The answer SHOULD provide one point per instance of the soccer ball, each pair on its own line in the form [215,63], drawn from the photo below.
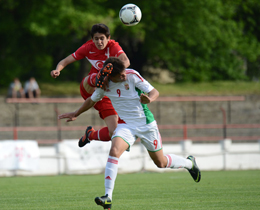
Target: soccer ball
[130,14]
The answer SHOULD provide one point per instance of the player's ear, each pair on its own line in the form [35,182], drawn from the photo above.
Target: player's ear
[108,38]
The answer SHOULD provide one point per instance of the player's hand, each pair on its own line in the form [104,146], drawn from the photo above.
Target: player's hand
[144,99]
[71,116]
[55,73]
[105,83]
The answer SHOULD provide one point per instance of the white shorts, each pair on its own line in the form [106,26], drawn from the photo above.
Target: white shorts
[149,135]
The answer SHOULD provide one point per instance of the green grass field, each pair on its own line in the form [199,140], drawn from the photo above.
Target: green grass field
[140,191]
[71,89]
[182,89]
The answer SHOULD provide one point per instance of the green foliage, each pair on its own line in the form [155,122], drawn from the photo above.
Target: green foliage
[37,34]
[198,40]
[202,40]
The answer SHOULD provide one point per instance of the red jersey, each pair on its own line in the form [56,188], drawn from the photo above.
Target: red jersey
[95,56]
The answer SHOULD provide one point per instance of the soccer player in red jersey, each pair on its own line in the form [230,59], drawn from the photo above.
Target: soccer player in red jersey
[96,50]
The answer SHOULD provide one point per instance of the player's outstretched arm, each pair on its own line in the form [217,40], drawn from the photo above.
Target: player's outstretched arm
[61,65]
[123,57]
[152,96]
[73,115]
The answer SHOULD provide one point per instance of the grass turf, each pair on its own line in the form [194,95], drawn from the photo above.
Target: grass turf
[71,89]
[217,190]
[181,89]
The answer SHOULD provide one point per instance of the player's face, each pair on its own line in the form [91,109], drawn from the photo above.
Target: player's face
[100,40]
[119,78]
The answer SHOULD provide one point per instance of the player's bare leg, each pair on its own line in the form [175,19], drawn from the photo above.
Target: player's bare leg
[87,87]
[158,158]
[175,161]
[111,122]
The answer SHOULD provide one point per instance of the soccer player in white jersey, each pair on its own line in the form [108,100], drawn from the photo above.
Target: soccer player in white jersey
[126,90]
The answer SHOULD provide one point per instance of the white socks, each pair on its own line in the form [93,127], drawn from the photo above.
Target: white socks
[175,161]
[110,175]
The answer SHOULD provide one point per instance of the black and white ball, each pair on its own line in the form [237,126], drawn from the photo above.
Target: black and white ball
[130,14]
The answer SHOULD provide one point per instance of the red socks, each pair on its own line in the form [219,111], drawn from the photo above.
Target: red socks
[101,134]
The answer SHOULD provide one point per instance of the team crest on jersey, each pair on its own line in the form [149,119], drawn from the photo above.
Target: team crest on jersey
[126,86]
[99,65]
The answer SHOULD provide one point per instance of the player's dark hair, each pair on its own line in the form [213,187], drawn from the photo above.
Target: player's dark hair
[100,28]
[118,65]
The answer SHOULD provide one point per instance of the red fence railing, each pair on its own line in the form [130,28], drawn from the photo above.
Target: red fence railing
[184,127]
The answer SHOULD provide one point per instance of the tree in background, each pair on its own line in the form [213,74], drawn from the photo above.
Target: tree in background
[199,40]
[247,15]
[36,34]
[196,40]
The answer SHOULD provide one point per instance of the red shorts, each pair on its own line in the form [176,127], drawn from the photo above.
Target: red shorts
[104,107]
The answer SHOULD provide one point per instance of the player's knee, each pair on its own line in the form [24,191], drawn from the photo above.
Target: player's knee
[114,152]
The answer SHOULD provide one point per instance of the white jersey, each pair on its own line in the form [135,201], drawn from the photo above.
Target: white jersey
[125,98]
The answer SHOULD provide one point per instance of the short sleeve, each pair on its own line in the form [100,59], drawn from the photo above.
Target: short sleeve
[80,53]
[97,95]
[142,83]
[116,49]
